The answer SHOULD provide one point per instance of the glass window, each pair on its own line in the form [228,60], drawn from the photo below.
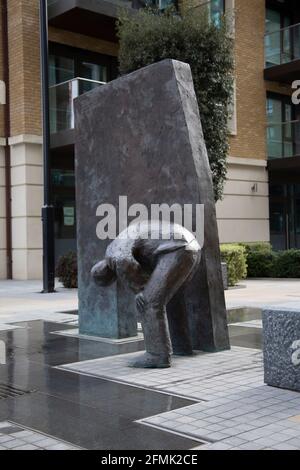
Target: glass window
[273,39]
[273,21]
[91,71]
[61,69]
[217,10]
[280,130]
[274,130]
[66,63]
[161,4]
[278,42]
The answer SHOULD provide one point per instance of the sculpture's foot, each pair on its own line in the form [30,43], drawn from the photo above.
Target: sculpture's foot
[151,361]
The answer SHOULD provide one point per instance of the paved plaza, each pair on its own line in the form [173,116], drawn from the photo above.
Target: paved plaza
[62,391]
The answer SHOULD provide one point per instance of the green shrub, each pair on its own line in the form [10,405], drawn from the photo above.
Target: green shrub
[256,246]
[235,257]
[150,36]
[66,270]
[261,263]
[288,264]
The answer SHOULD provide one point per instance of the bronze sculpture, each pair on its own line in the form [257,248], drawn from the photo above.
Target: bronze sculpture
[155,260]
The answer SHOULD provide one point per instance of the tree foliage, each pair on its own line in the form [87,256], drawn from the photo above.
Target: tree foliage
[150,36]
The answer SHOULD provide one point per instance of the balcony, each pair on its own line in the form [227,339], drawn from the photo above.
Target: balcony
[96,18]
[61,98]
[282,54]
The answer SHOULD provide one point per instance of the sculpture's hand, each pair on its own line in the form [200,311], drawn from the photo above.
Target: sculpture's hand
[140,302]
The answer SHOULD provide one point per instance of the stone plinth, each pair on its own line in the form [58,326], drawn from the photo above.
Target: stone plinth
[281,335]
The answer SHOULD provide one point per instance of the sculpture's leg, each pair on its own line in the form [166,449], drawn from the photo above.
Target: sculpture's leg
[157,338]
[171,271]
[179,325]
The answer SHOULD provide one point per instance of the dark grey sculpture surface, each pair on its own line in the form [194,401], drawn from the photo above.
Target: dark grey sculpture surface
[141,136]
[281,338]
[155,260]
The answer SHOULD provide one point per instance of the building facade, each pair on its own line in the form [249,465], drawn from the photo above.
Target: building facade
[262,195]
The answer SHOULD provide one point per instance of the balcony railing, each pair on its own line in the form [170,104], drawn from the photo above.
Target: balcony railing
[61,97]
[282,46]
[283,139]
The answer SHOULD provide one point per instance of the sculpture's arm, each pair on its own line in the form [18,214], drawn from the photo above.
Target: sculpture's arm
[131,272]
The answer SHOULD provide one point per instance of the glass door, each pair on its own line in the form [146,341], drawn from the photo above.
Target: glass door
[285,215]
[278,216]
[297,215]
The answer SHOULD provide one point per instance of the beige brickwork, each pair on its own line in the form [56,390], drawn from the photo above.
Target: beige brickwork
[24,67]
[250,141]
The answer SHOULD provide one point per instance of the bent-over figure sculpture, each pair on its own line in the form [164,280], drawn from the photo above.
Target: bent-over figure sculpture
[155,260]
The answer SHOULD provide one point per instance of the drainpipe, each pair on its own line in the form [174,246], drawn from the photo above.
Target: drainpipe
[7,135]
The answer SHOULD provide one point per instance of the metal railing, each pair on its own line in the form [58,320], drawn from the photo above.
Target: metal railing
[61,98]
[282,46]
[283,139]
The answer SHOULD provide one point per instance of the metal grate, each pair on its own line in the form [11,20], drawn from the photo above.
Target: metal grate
[9,391]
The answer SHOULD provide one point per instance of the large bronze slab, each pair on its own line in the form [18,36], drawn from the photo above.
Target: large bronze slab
[140,136]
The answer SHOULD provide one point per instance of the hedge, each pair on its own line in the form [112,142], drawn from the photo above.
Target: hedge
[66,270]
[235,257]
[262,261]
[287,264]
[150,36]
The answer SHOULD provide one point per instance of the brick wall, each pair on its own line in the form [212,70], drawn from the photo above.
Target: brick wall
[250,141]
[24,67]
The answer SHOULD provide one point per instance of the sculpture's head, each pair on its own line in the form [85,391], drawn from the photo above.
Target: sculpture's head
[102,274]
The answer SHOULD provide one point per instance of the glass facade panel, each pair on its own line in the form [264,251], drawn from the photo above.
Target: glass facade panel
[273,44]
[282,129]
[279,38]
[274,129]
